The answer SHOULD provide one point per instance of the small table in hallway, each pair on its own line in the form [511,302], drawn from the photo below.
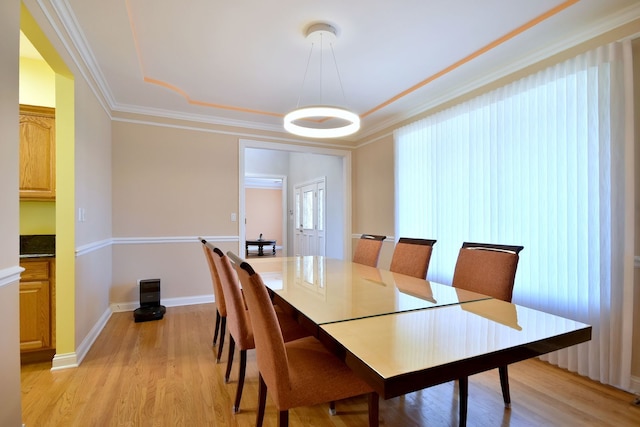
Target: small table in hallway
[260,243]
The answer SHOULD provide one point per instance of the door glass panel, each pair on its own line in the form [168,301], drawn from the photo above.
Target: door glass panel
[321,209]
[298,222]
[307,214]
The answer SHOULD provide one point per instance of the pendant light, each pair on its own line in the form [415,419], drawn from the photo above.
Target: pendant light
[321,121]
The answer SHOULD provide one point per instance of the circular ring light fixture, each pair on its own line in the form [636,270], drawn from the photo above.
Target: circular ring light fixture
[322,112]
[322,121]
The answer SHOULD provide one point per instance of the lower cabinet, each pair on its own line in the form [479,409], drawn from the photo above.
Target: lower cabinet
[37,310]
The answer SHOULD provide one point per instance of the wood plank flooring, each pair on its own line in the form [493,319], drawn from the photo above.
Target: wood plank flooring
[163,373]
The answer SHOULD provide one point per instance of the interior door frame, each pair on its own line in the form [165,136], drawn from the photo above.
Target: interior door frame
[346,179]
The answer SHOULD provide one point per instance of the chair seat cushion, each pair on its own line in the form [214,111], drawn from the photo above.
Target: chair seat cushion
[317,376]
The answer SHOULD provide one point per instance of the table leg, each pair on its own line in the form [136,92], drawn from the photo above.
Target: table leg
[274,249]
[260,250]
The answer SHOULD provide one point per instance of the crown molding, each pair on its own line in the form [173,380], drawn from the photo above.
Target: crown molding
[603,26]
[103,92]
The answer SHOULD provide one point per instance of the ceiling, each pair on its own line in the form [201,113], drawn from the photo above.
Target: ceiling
[242,63]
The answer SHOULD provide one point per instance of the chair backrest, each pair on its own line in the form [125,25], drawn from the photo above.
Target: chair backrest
[217,286]
[488,269]
[412,256]
[271,355]
[368,249]
[237,317]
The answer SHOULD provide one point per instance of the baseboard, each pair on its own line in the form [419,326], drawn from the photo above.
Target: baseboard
[168,302]
[73,360]
[91,337]
[635,385]
[64,361]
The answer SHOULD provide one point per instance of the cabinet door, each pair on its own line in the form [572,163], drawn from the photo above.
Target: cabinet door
[37,153]
[35,315]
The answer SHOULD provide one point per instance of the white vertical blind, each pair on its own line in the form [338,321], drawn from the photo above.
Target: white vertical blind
[545,162]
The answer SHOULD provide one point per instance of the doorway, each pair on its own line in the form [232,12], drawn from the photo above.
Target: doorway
[302,164]
[65,255]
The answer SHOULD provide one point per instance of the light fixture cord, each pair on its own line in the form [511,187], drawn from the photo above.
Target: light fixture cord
[304,78]
[321,58]
[344,98]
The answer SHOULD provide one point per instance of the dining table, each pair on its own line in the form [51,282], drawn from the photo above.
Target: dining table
[402,334]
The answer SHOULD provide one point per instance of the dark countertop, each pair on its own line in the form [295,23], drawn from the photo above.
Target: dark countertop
[37,246]
[31,256]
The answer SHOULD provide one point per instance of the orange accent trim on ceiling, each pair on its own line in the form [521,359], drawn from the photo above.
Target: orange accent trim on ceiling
[204,103]
[135,37]
[477,53]
[548,14]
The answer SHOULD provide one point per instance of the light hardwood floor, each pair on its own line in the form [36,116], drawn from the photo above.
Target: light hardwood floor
[163,373]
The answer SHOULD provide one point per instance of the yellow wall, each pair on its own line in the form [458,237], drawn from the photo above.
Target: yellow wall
[37,83]
[37,217]
[37,87]
[63,88]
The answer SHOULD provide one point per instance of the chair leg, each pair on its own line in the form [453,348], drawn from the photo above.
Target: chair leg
[332,408]
[217,328]
[374,409]
[223,328]
[243,368]
[463,388]
[283,418]
[504,383]
[232,348]
[262,400]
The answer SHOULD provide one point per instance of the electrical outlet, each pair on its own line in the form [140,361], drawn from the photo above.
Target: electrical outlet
[234,217]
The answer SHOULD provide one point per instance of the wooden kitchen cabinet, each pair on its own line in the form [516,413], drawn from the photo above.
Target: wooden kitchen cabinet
[37,309]
[37,153]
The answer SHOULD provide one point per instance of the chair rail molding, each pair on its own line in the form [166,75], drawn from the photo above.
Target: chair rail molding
[10,275]
[171,239]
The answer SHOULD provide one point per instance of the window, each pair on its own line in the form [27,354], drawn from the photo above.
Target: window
[545,162]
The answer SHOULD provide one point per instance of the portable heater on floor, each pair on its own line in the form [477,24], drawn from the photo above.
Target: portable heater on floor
[150,308]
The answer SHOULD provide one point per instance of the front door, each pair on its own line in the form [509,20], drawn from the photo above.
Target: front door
[310,218]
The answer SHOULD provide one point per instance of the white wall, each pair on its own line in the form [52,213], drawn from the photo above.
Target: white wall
[10,412]
[306,167]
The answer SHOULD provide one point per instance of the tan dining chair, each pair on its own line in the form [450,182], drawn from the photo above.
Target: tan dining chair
[368,249]
[221,307]
[488,269]
[296,373]
[412,256]
[239,325]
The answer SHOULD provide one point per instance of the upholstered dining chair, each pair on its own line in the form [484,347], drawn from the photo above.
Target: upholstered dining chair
[412,256]
[297,373]
[488,269]
[238,323]
[368,249]
[221,307]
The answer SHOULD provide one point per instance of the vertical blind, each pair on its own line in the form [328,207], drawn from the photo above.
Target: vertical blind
[545,162]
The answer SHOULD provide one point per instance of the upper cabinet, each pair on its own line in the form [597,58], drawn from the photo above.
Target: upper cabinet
[37,153]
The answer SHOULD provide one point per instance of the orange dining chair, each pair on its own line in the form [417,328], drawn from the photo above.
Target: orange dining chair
[297,373]
[368,249]
[487,269]
[221,307]
[240,329]
[412,256]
